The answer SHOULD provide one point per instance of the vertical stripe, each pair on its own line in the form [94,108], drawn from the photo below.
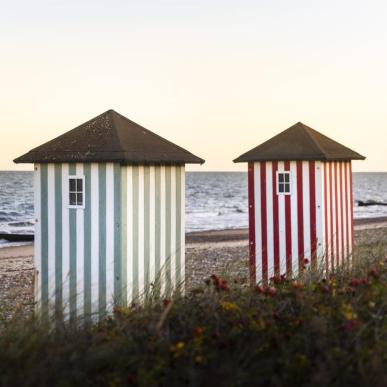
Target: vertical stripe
[102,240]
[320,210]
[336,215]
[65,241]
[152,225]
[346,210]
[58,240]
[326,216]
[80,250]
[179,234]
[339,218]
[44,239]
[95,238]
[146,230]
[87,244]
[294,216]
[265,275]
[73,254]
[51,235]
[281,225]
[163,237]
[124,235]
[352,235]
[135,239]
[109,236]
[158,250]
[117,274]
[300,216]
[288,225]
[129,234]
[168,230]
[312,193]
[38,236]
[332,213]
[182,226]
[141,225]
[275,219]
[252,258]
[269,218]
[173,226]
[306,201]
[342,209]
[258,222]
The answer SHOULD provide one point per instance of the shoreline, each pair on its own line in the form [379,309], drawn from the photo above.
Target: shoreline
[240,234]
[224,237]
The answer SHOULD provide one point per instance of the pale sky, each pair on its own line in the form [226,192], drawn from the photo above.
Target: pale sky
[216,77]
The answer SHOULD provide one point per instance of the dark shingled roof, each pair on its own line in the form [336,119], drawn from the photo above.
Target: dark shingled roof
[299,142]
[110,137]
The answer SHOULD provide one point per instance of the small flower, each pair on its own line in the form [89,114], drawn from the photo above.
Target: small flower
[198,332]
[230,306]
[296,284]
[348,312]
[177,349]
[215,335]
[180,345]
[373,273]
[259,289]
[355,282]
[166,302]
[219,283]
[306,261]
[271,291]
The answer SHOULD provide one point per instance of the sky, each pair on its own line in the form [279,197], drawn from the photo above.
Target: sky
[215,77]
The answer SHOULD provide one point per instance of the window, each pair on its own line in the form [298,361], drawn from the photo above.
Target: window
[283,183]
[76,191]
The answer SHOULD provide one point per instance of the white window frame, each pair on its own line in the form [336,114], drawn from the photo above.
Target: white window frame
[289,173]
[83,191]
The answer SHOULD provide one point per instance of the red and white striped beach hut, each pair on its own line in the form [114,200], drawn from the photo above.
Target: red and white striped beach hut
[300,203]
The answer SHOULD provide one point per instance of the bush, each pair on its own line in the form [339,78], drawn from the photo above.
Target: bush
[329,331]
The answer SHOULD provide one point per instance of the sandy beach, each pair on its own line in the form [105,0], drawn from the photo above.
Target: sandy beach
[207,252]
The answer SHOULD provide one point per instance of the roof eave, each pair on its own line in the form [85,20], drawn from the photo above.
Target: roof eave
[242,159]
[29,158]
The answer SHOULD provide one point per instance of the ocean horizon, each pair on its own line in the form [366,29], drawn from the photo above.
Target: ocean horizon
[214,200]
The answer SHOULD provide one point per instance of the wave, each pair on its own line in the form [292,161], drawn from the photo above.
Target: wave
[21,224]
[6,219]
[10,213]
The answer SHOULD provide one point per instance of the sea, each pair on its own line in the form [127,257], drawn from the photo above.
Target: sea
[214,200]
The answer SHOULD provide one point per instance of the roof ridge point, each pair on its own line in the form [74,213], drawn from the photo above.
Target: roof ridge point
[310,131]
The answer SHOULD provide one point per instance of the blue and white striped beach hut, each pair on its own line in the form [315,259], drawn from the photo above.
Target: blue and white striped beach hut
[109,205]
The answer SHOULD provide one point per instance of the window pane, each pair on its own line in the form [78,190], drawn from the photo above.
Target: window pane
[280,188]
[287,188]
[79,185]
[73,199]
[80,199]
[287,177]
[281,177]
[72,185]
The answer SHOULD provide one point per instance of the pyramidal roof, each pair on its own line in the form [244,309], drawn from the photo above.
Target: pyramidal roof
[299,142]
[109,137]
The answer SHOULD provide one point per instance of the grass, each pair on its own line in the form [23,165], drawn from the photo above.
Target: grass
[329,331]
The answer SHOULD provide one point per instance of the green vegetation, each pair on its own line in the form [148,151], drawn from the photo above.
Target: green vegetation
[294,332]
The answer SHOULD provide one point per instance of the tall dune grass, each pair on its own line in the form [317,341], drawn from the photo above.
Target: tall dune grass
[303,331]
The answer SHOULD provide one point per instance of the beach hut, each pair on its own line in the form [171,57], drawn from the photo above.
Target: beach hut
[300,203]
[109,205]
